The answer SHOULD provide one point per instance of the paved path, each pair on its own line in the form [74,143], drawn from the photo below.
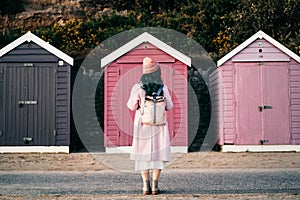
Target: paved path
[172,182]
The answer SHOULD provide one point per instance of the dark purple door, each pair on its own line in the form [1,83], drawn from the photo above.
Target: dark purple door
[29,101]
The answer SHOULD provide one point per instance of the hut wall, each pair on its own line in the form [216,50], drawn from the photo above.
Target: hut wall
[294,69]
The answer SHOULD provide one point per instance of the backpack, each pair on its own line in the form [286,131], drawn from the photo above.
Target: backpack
[153,109]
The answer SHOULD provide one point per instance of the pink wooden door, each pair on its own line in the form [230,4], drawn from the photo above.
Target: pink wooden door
[166,74]
[248,98]
[276,96]
[128,76]
[262,103]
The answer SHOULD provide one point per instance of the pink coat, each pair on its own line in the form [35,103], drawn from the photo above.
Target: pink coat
[150,143]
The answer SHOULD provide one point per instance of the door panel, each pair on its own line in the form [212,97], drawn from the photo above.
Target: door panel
[15,112]
[128,76]
[29,104]
[276,96]
[41,113]
[262,103]
[248,98]
[166,71]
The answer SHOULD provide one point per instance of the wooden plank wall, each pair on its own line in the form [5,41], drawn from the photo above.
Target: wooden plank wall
[294,68]
[180,116]
[63,105]
[28,52]
[255,52]
[216,98]
[2,105]
[229,103]
[111,130]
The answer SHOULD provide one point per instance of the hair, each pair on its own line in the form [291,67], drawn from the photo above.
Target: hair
[151,82]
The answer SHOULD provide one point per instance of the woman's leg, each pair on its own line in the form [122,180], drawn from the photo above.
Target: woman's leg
[155,177]
[155,174]
[146,182]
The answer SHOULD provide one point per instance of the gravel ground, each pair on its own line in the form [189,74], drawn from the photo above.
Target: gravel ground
[164,197]
[85,162]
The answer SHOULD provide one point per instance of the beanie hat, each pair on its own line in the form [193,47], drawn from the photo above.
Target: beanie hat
[149,65]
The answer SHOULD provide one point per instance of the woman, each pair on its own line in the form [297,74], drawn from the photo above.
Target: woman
[151,144]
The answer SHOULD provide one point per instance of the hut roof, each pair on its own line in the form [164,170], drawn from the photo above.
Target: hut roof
[143,38]
[31,37]
[259,35]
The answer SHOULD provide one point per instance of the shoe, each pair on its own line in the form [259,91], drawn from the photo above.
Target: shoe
[146,187]
[155,189]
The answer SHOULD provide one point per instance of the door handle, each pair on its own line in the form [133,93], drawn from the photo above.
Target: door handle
[267,107]
[27,102]
[261,108]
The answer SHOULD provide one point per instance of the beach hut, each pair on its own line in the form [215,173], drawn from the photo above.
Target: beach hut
[34,97]
[258,96]
[123,68]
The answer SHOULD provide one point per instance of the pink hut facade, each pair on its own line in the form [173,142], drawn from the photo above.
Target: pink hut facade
[123,68]
[258,97]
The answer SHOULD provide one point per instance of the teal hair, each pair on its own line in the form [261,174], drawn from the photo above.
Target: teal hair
[151,82]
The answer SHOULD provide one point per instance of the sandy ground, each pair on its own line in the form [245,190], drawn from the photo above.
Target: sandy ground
[101,161]
[191,161]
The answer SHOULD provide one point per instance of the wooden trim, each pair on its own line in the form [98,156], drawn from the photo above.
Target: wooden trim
[261,60]
[34,149]
[260,148]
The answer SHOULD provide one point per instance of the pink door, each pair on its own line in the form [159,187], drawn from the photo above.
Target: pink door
[276,96]
[128,76]
[248,98]
[262,103]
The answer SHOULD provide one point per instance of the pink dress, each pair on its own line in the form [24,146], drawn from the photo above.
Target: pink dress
[151,144]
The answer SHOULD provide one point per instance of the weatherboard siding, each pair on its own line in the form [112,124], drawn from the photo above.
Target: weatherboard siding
[255,53]
[216,94]
[295,101]
[229,103]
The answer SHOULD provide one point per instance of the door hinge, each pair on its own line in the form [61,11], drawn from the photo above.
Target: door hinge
[1,133]
[263,141]
[54,132]
[26,140]
[1,71]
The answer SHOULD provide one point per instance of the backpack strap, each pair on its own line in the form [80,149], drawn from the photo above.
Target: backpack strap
[154,101]
[159,90]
